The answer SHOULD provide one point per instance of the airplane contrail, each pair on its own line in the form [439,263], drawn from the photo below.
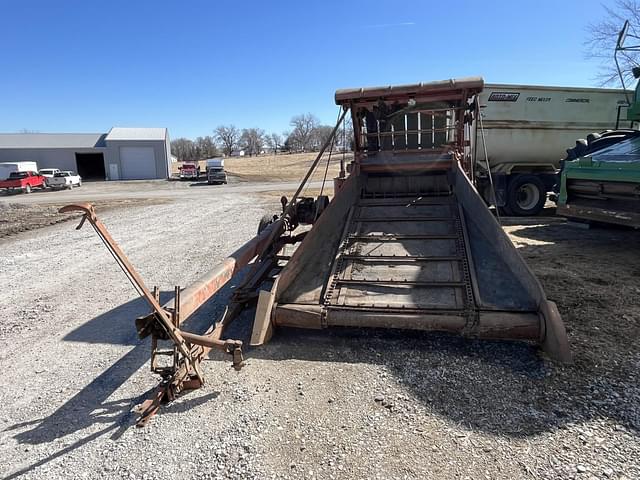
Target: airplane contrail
[385,25]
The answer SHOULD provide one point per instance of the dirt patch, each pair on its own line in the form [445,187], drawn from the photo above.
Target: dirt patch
[17,217]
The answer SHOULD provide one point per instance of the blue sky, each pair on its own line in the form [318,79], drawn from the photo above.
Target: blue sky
[85,66]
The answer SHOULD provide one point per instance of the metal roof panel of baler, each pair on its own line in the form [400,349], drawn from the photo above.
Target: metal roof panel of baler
[345,95]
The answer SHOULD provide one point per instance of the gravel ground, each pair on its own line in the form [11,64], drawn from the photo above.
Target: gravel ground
[330,404]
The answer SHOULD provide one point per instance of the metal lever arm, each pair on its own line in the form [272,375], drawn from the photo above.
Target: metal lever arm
[163,318]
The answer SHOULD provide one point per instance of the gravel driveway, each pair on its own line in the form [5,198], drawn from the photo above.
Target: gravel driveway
[329,404]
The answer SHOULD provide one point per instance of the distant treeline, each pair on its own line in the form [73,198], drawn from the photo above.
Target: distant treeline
[307,135]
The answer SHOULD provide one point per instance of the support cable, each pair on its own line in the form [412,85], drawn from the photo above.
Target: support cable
[326,170]
[486,159]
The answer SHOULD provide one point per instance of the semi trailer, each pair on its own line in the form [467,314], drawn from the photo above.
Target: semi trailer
[524,132]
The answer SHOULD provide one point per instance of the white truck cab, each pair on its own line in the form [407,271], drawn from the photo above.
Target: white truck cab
[48,173]
[65,179]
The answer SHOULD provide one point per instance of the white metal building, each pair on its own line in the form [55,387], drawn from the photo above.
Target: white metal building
[121,154]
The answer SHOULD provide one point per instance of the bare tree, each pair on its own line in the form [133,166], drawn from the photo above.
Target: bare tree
[274,141]
[285,146]
[344,135]
[227,136]
[183,149]
[320,135]
[602,40]
[202,147]
[302,135]
[205,147]
[252,140]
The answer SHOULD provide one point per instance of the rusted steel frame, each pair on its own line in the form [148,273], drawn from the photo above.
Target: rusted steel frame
[194,296]
[443,97]
[444,149]
[201,346]
[392,237]
[406,167]
[172,331]
[253,279]
[390,282]
[413,90]
[497,325]
[403,219]
[493,324]
[399,259]
[212,337]
[150,407]
[423,130]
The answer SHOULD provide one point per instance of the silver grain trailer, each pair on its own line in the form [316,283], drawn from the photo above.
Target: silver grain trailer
[527,130]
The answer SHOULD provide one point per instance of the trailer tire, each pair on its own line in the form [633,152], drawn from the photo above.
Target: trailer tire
[264,221]
[526,196]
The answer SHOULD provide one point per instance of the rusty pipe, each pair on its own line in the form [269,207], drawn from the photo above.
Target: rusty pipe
[196,294]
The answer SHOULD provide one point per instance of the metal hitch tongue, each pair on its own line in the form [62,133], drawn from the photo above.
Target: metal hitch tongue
[164,324]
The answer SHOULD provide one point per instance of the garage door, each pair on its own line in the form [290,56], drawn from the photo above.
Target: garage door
[138,163]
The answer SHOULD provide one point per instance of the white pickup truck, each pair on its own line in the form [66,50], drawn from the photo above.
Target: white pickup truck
[48,174]
[65,179]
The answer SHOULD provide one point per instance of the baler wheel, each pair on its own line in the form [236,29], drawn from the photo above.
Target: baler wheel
[264,221]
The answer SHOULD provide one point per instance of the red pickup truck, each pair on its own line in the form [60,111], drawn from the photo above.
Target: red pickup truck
[23,181]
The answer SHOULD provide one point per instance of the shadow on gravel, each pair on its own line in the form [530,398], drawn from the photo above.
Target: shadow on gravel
[91,405]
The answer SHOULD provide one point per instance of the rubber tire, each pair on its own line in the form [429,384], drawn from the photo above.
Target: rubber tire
[321,204]
[264,221]
[512,195]
[27,188]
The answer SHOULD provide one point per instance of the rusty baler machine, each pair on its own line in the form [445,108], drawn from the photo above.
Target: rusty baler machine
[405,243]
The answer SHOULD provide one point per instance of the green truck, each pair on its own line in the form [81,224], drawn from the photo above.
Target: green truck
[600,178]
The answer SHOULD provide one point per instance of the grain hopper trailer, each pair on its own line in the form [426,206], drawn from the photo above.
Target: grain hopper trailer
[600,177]
[526,129]
[405,243]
